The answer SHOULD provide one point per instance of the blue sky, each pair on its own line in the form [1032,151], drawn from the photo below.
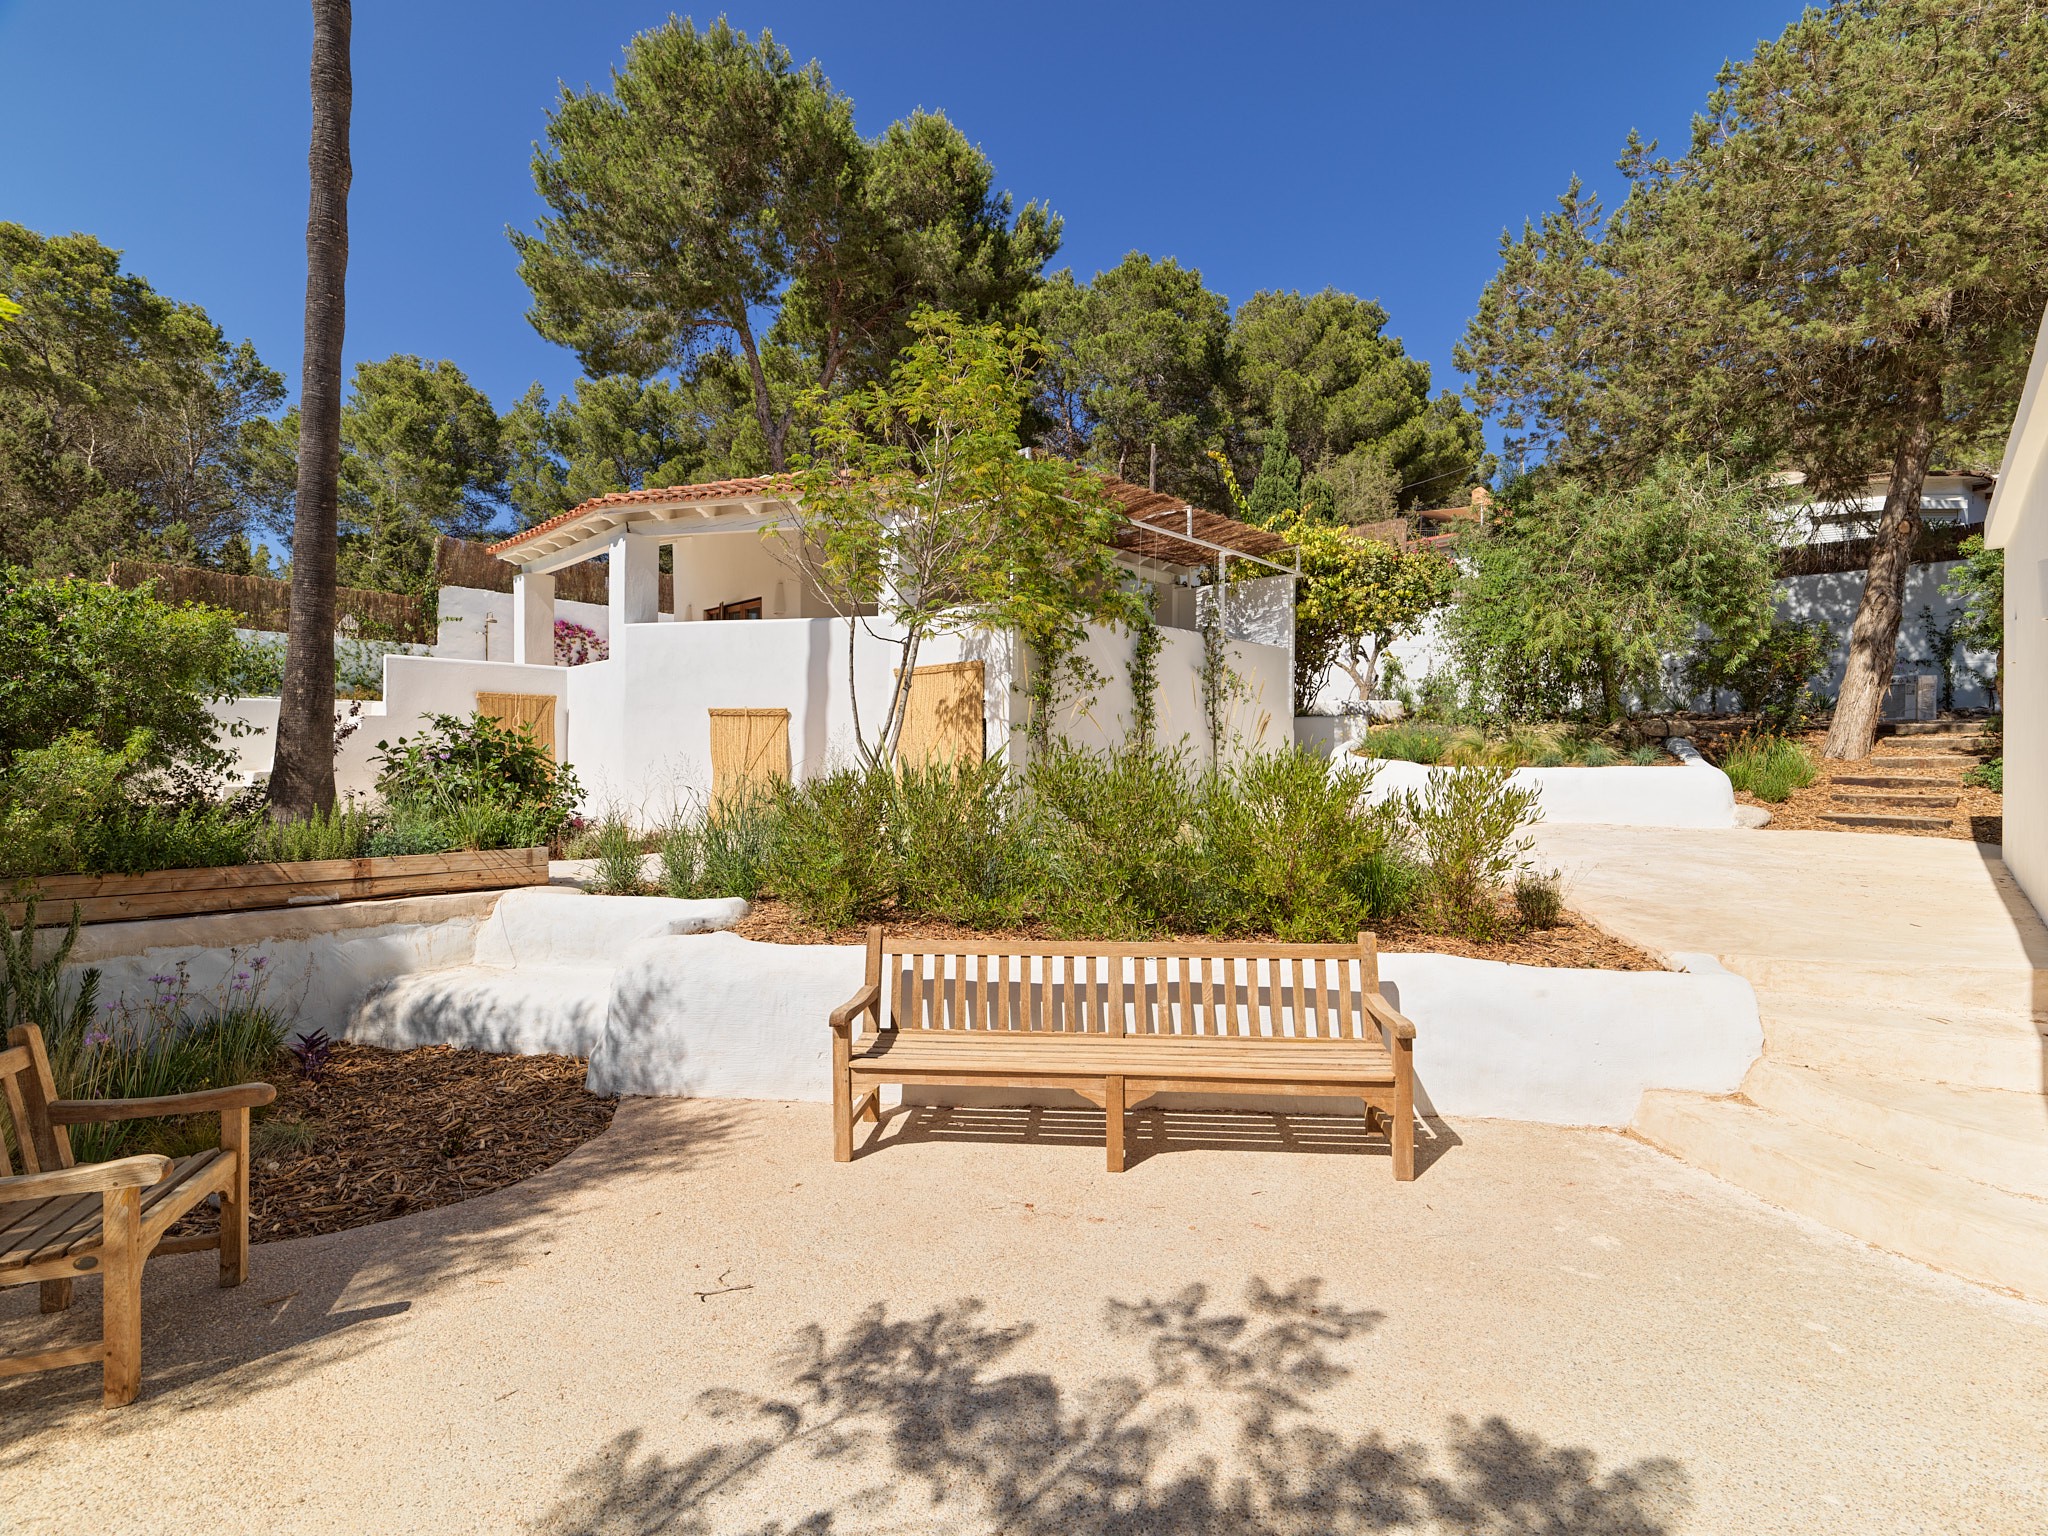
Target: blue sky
[1375,148]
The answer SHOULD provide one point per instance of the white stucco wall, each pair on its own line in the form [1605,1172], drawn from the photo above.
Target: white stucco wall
[2019,525]
[476,625]
[1101,715]
[1691,794]
[662,1005]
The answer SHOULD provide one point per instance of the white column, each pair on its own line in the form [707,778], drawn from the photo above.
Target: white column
[533,619]
[635,582]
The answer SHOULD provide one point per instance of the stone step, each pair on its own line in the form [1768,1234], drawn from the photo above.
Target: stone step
[1952,1223]
[1963,1048]
[1886,823]
[1949,728]
[1890,781]
[1898,797]
[1991,1135]
[1947,761]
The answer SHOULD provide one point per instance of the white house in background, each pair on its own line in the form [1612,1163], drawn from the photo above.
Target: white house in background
[2019,526]
[688,699]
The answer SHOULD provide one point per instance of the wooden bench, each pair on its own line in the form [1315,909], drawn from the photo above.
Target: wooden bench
[1119,1022]
[59,1221]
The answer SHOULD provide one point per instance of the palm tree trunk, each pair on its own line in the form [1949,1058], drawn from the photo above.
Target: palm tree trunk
[302,777]
[1874,636]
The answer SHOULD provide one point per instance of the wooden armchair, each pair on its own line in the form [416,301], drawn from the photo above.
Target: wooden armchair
[59,1221]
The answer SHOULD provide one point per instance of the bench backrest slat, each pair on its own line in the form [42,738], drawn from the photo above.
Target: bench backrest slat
[1309,991]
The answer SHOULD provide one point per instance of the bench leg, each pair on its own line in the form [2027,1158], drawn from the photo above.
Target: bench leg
[234,1200]
[1113,1117]
[842,1097]
[56,1295]
[1404,1110]
[121,1259]
[871,1107]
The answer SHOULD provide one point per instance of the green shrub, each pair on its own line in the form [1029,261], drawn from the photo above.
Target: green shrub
[54,798]
[1646,757]
[1597,754]
[459,764]
[733,844]
[829,857]
[118,664]
[1769,767]
[1121,837]
[1293,850]
[1410,743]
[618,851]
[1989,774]
[341,832]
[1464,824]
[1773,678]
[1539,898]
[137,839]
[959,845]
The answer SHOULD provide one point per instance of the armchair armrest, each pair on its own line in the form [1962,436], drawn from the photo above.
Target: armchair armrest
[206,1101]
[86,1178]
[867,1000]
[1394,1024]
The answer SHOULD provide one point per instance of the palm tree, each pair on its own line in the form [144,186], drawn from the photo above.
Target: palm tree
[302,777]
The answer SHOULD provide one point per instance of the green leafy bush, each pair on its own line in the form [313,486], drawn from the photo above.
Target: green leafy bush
[829,857]
[1539,898]
[1772,676]
[479,778]
[54,798]
[960,849]
[618,851]
[1121,837]
[1769,767]
[1989,774]
[1294,850]
[342,832]
[129,670]
[1464,824]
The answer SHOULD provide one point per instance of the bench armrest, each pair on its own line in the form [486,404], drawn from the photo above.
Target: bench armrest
[1394,1024]
[86,1178]
[206,1101]
[867,1000]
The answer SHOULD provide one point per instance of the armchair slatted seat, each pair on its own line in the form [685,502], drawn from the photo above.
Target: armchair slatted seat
[61,1220]
[1117,1023]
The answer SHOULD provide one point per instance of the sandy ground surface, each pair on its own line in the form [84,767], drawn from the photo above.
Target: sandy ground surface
[697,1323]
[1851,902]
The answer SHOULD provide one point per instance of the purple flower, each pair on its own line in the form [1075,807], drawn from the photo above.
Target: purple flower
[259,962]
[95,1038]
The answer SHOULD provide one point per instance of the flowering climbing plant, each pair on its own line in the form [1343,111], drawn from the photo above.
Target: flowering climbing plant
[576,644]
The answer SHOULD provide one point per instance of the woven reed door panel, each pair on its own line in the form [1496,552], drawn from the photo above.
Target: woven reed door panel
[749,750]
[943,721]
[535,711]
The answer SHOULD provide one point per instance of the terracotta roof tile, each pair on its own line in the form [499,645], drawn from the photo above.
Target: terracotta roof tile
[1154,518]
[709,490]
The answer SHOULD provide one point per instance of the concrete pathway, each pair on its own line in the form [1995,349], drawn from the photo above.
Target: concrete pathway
[698,1323]
[1903,984]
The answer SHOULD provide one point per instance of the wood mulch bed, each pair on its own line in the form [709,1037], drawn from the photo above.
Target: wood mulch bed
[1573,943]
[384,1133]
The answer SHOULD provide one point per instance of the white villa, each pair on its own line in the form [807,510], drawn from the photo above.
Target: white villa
[687,699]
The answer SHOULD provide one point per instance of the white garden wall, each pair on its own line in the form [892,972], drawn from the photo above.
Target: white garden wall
[476,625]
[1690,794]
[662,1006]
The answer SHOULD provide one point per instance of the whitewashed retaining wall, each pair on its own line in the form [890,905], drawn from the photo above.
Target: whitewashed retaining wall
[1691,794]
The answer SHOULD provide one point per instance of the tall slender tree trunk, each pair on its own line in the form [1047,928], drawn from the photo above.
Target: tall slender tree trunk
[1874,636]
[302,777]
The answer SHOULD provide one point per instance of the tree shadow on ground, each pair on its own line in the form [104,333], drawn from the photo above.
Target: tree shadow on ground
[307,1299]
[1216,1433]
[1153,1131]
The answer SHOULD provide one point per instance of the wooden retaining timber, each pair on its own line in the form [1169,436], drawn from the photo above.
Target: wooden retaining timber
[252,887]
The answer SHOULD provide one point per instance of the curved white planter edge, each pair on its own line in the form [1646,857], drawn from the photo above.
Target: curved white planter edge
[1693,794]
